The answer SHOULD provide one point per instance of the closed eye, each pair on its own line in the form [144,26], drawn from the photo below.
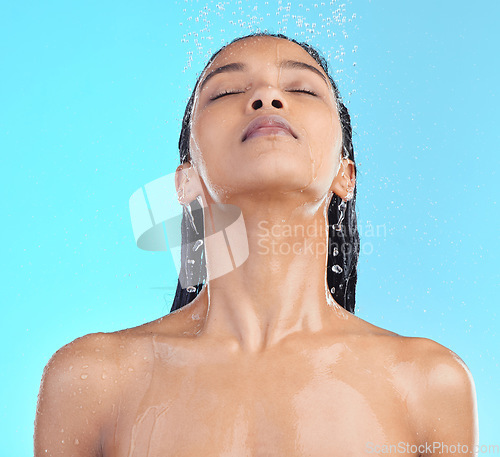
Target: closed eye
[228,92]
[223,94]
[304,91]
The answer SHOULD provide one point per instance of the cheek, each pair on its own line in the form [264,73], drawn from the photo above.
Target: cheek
[207,146]
[209,131]
[326,140]
[203,138]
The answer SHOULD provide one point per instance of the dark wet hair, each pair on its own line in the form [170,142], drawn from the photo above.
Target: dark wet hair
[343,246]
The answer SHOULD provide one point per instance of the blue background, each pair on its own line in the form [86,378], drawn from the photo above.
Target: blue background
[92,94]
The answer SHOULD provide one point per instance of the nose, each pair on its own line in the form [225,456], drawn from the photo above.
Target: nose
[266,96]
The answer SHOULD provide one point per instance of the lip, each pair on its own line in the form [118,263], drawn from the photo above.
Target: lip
[270,124]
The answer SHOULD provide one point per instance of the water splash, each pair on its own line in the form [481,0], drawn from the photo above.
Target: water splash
[197,245]
[189,215]
[342,208]
[325,25]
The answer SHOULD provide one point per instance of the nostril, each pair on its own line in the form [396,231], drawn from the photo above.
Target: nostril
[258,104]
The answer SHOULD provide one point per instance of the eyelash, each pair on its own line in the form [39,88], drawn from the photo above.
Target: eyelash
[305,91]
[222,94]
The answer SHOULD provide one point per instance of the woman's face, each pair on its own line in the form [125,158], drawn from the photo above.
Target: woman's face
[248,81]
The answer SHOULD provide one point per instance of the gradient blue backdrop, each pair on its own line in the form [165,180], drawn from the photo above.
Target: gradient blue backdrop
[92,94]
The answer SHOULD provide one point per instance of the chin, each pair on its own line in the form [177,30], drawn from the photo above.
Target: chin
[284,176]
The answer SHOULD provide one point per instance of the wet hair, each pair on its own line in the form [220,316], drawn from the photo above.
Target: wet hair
[343,245]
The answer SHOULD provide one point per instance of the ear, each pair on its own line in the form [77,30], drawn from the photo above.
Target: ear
[343,184]
[187,183]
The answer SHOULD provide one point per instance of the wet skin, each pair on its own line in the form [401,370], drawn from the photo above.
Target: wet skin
[263,362]
[163,389]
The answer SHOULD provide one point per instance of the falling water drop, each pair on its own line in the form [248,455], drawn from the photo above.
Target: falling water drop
[338,225]
[189,213]
[197,245]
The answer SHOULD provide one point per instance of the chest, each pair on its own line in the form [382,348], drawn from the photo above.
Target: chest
[281,408]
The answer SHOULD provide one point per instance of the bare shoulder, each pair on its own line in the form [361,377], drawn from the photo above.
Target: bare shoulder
[426,357]
[445,398]
[424,366]
[433,355]
[428,362]
[441,368]
[77,392]
[439,391]
[443,371]
[433,381]
[83,358]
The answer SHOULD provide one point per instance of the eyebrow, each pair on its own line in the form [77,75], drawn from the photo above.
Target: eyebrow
[238,66]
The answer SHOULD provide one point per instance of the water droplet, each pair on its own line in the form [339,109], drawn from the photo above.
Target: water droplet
[84,376]
[189,215]
[104,376]
[85,366]
[191,261]
[332,290]
[337,269]
[335,251]
[77,442]
[130,369]
[338,225]
[197,245]
[195,317]
[190,289]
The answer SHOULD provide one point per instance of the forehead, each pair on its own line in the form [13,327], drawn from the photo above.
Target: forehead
[262,49]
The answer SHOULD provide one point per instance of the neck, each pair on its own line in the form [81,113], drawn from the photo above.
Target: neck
[281,287]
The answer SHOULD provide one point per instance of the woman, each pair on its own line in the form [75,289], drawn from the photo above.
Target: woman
[262,360]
